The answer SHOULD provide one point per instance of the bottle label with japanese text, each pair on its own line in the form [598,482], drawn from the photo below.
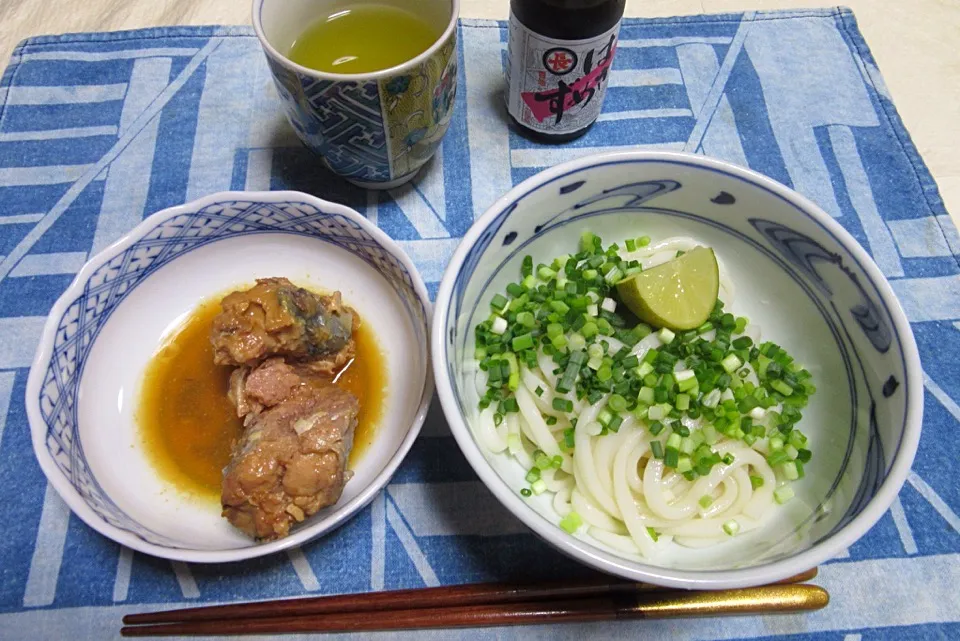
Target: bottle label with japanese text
[557,86]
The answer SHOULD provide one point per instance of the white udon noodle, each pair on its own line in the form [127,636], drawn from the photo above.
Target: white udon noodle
[612,481]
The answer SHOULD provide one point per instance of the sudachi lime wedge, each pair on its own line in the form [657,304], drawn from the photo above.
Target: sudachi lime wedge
[678,294]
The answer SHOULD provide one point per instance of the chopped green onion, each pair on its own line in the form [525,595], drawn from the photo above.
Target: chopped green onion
[671,457]
[587,241]
[538,486]
[559,306]
[526,319]
[563,311]
[498,303]
[615,423]
[522,342]
[731,363]
[569,378]
[731,527]
[571,523]
[617,403]
[642,330]
[710,435]
[756,481]
[613,275]
[789,471]
[525,492]
[577,342]
[783,494]
[604,417]
[777,457]
[526,269]
[687,384]
[706,501]
[712,399]
[673,441]
[630,362]
[656,448]
[782,387]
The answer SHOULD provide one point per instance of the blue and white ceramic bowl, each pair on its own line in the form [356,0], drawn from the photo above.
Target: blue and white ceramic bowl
[83,389]
[798,275]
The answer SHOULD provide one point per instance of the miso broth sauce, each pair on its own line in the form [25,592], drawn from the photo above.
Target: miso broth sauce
[187,423]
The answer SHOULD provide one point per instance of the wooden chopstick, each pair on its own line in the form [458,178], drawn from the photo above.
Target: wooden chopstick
[641,605]
[441,597]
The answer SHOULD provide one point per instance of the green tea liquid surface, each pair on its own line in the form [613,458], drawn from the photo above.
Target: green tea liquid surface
[362,38]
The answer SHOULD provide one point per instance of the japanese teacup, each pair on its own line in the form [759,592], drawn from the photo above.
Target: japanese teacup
[374,129]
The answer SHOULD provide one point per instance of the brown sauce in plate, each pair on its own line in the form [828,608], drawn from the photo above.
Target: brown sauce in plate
[187,423]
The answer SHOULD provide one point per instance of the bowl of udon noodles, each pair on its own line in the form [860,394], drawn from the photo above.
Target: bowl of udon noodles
[752,447]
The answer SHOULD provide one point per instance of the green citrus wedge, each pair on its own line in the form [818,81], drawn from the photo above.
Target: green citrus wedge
[678,295]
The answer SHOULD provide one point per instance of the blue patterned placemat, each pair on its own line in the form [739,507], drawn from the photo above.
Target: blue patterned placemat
[99,130]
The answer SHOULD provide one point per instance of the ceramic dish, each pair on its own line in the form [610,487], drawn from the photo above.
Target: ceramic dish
[83,387]
[798,275]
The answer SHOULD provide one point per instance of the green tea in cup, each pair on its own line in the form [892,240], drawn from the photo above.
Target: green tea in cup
[362,37]
[369,85]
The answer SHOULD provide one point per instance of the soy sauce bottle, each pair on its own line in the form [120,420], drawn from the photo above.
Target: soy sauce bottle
[558,64]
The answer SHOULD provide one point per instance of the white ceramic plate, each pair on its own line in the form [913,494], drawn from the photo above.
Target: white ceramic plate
[128,298]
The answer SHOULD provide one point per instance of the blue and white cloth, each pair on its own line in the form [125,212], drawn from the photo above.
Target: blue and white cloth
[99,130]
